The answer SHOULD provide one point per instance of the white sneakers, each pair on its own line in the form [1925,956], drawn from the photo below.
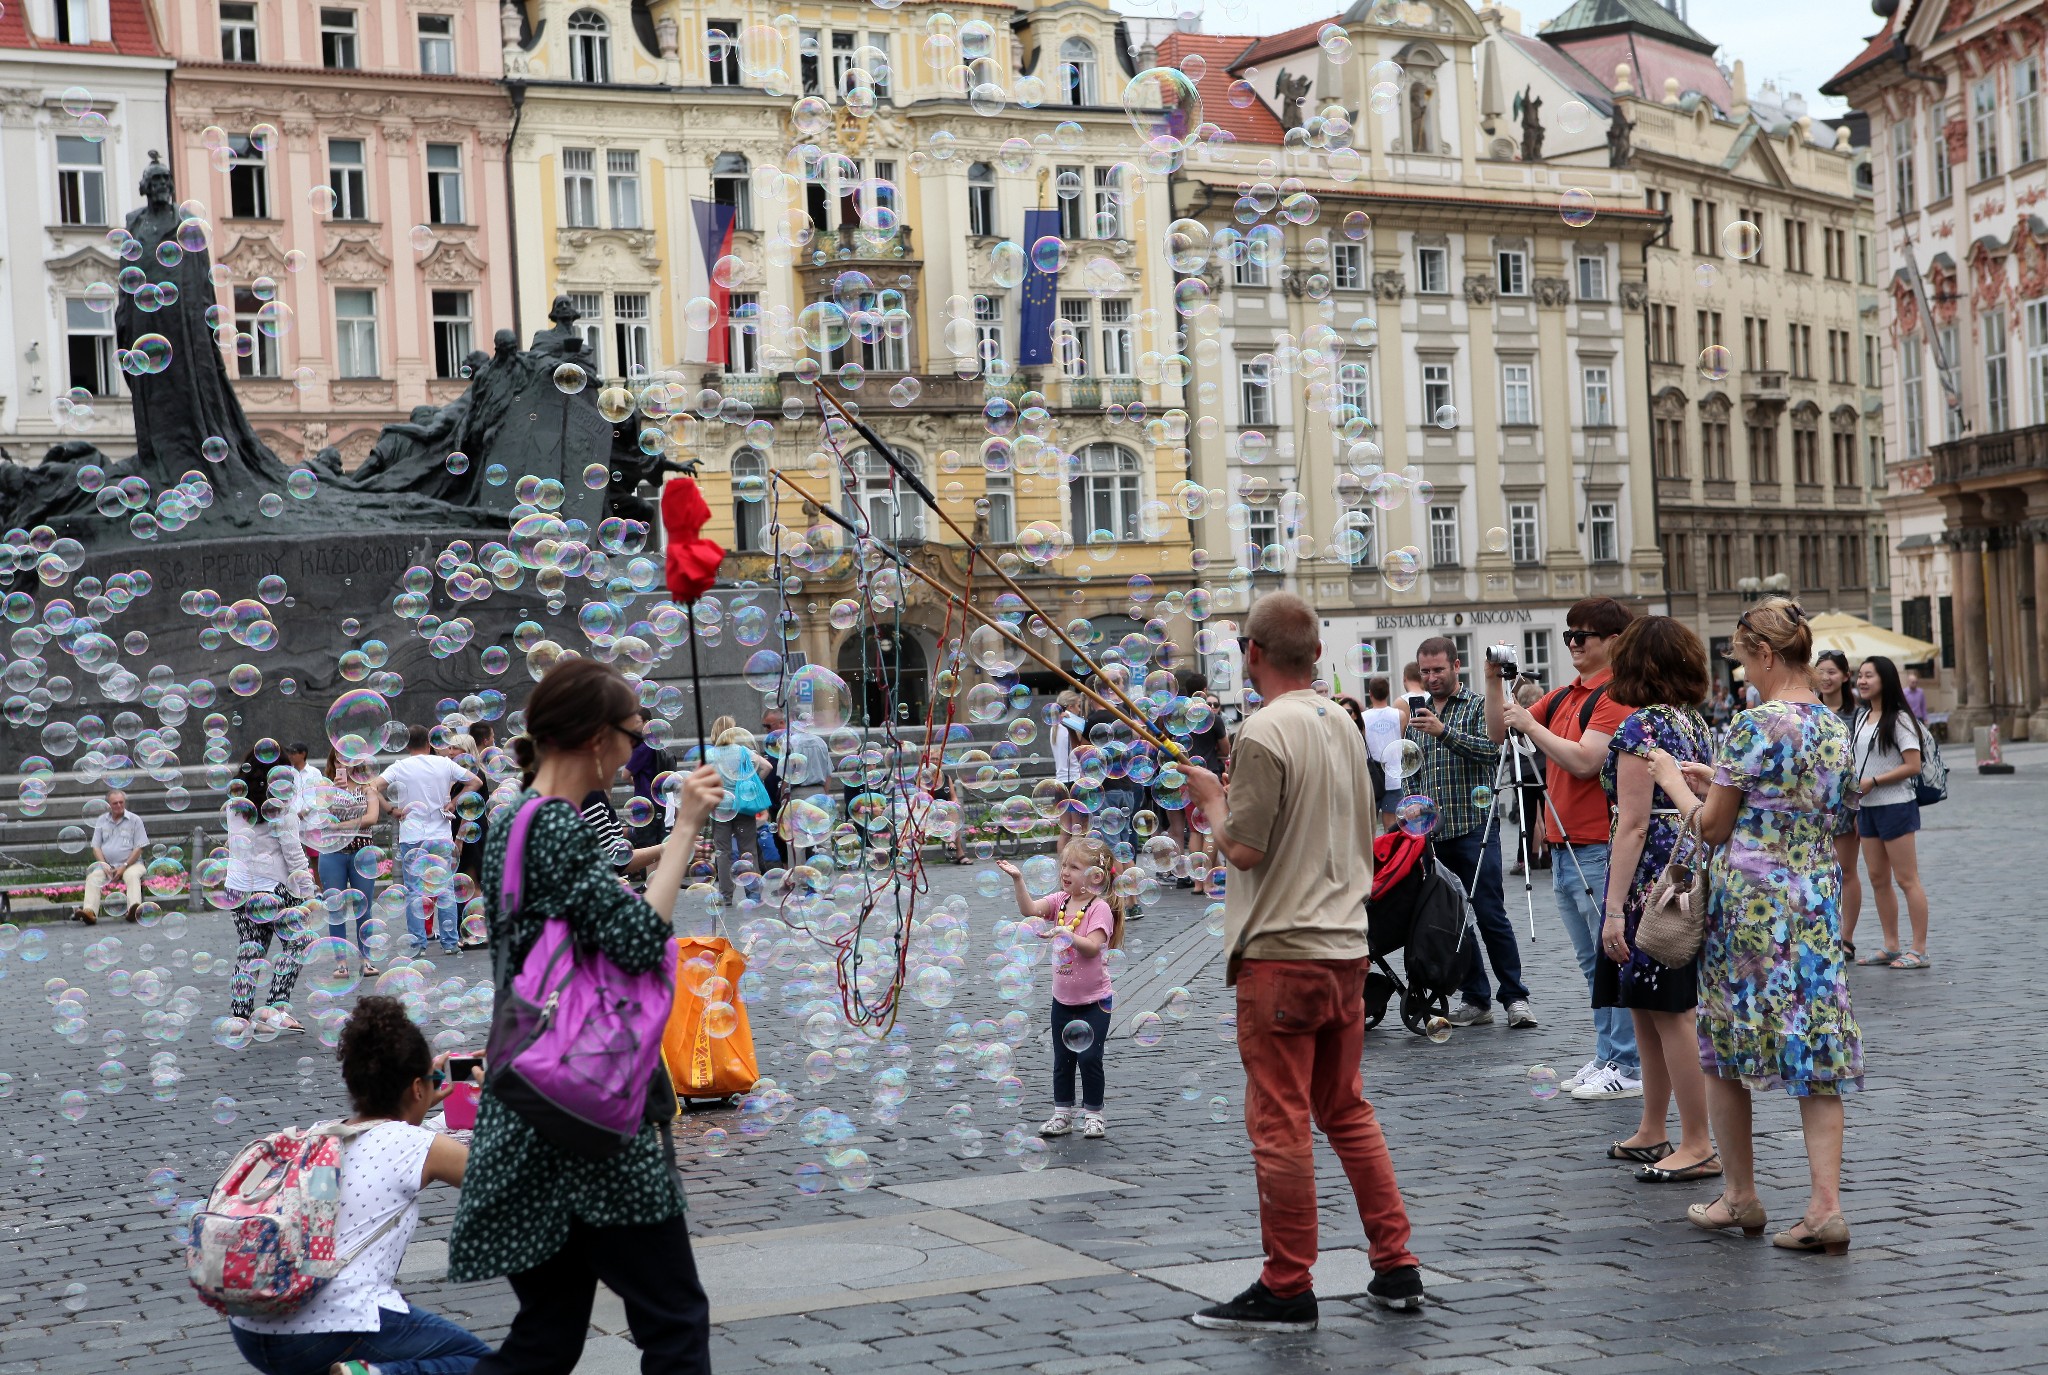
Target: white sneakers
[1606,1081]
[1585,1072]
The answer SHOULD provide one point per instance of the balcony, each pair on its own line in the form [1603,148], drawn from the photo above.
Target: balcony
[2000,453]
[759,390]
[1766,386]
[853,244]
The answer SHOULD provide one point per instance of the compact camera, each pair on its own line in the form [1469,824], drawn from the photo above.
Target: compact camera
[1503,656]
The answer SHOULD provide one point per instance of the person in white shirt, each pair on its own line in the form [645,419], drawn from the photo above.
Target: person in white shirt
[117,841]
[1885,753]
[421,789]
[358,1323]
[267,873]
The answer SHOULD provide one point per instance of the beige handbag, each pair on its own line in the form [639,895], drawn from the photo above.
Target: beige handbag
[1674,922]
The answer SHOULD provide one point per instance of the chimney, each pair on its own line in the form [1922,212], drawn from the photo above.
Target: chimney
[1739,84]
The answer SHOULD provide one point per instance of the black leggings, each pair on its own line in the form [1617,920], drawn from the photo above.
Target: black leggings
[1089,1060]
[650,1268]
[284,970]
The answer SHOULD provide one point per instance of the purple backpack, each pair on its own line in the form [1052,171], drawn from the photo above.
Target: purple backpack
[575,1043]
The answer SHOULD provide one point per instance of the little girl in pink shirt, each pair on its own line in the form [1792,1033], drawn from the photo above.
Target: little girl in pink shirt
[1084,926]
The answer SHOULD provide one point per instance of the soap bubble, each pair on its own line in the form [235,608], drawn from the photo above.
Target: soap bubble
[74,1297]
[72,1105]
[1147,1029]
[1576,207]
[1574,117]
[1219,1108]
[1497,540]
[716,1142]
[1741,239]
[571,378]
[1438,1030]
[1543,1083]
[1714,362]
[1446,417]
[1416,814]
[1077,1036]
[1031,1156]
[224,1109]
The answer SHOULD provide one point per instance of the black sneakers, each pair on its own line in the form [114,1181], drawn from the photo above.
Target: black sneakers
[1258,1310]
[1399,1288]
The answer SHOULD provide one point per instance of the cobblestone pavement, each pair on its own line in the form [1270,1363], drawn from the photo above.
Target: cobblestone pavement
[1543,1255]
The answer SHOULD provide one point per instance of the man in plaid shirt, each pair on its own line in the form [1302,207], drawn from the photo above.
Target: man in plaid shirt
[1460,739]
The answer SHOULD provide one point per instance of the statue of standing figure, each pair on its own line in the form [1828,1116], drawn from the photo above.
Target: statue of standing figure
[1292,90]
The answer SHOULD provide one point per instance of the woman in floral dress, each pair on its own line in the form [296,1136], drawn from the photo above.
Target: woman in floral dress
[1774,1007]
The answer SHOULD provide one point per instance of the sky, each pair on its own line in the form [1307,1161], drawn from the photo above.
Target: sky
[1797,43]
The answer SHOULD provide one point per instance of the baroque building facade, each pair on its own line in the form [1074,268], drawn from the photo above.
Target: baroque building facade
[1953,94]
[351,157]
[1488,345]
[81,107]
[868,201]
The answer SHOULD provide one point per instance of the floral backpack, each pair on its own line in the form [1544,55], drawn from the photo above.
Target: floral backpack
[266,1241]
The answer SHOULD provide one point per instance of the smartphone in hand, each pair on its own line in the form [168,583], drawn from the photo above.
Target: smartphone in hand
[461,1067]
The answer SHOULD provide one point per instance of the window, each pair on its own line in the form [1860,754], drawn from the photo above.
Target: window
[1834,244]
[1070,336]
[1755,217]
[579,188]
[632,333]
[988,328]
[437,44]
[2037,362]
[1720,563]
[1347,266]
[1838,355]
[807,61]
[622,183]
[1843,450]
[338,39]
[1376,655]
[1709,324]
[349,178]
[237,32]
[2026,112]
[1913,394]
[1951,415]
[1880,562]
[743,333]
[1109,209]
[1525,543]
[1849,559]
[1663,333]
[1902,167]
[81,182]
[1799,340]
[1433,271]
[1873,451]
[730,185]
[1756,343]
[261,360]
[1592,279]
[889,349]
[1812,565]
[355,326]
[878,65]
[453,339]
[1517,394]
[1763,454]
[1249,271]
[89,348]
[1599,393]
[1000,491]
[1255,392]
[590,47]
[444,183]
[1706,220]
[1863,277]
[1937,148]
[1658,202]
[1984,125]
[842,61]
[248,181]
[1104,491]
[981,200]
[1795,245]
[1511,272]
[1870,365]
[1077,63]
[1997,384]
[749,504]
[1261,535]
[1677,562]
[1714,463]
[1805,456]
[1536,654]
[1603,532]
[589,307]
[1118,356]
[1667,445]
[1443,536]
[1365,523]
[722,52]
[1354,392]
[1436,391]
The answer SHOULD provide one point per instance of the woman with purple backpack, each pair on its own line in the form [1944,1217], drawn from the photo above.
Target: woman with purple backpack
[554,1221]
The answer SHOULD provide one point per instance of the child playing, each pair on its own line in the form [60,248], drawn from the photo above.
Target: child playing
[1080,982]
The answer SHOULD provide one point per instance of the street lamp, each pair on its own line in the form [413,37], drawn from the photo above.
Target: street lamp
[1756,589]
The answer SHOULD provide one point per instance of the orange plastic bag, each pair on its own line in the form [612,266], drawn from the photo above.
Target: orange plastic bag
[701,1065]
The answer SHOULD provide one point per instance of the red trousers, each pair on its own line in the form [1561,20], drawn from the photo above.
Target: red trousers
[1300,1031]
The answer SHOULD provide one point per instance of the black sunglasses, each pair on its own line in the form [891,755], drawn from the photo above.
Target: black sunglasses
[1575,638]
[1244,644]
[638,738]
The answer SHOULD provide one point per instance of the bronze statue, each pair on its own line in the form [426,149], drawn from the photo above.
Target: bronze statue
[564,338]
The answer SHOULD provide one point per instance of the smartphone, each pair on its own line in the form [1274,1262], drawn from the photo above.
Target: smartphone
[1418,701]
[460,1067]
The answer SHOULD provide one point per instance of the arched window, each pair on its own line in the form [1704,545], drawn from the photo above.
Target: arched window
[590,47]
[981,199]
[731,185]
[749,499]
[1105,491]
[1077,59]
[884,499]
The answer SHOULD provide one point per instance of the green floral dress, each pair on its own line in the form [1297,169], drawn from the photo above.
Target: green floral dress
[1774,996]
[519,1193]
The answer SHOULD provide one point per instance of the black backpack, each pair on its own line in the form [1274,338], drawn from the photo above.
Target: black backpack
[1436,953]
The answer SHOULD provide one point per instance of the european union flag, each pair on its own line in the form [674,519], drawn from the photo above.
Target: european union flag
[1041,294]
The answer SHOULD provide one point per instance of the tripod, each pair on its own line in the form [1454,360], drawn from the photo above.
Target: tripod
[1502,765]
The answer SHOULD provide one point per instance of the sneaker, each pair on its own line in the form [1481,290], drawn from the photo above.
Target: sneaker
[1608,1082]
[1059,1124]
[1471,1014]
[1519,1015]
[1584,1074]
[1258,1310]
[1092,1125]
[1399,1288]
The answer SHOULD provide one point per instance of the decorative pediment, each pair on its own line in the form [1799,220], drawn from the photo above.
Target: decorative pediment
[1425,16]
[1716,406]
[1668,404]
[452,262]
[253,256]
[72,274]
[355,260]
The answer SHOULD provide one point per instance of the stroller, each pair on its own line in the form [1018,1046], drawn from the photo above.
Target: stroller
[1419,907]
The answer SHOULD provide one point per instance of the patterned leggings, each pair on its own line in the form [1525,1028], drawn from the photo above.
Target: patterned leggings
[284,974]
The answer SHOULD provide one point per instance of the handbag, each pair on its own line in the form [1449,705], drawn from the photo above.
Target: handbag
[575,1045]
[1674,921]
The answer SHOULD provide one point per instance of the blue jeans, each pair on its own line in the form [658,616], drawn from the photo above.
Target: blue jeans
[415,1343]
[338,875]
[410,855]
[1478,868]
[1121,795]
[1572,871]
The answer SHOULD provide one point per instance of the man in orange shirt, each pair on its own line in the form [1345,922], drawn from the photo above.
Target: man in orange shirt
[1571,725]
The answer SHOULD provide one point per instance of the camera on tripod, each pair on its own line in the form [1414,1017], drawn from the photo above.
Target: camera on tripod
[1503,657]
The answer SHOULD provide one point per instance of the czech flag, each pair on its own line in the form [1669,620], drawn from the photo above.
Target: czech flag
[714,237]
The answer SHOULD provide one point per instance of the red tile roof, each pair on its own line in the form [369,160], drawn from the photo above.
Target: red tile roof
[1650,60]
[1256,123]
[1294,40]
[129,24]
[1879,46]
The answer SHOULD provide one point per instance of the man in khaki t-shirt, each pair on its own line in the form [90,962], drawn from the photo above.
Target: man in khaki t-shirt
[1296,826]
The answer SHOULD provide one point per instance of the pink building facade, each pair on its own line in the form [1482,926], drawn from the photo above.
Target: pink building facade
[351,158]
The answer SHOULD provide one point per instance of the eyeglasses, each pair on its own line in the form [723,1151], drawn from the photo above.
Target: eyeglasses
[1576,638]
[1244,644]
[638,738]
